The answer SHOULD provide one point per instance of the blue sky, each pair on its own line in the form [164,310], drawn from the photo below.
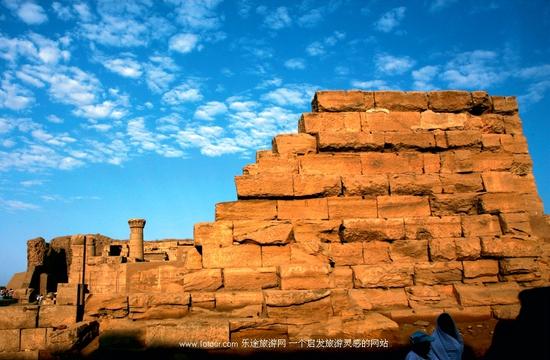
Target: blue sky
[118,109]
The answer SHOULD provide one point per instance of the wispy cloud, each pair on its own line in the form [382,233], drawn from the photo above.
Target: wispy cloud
[28,12]
[424,76]
[16,205]
[210,110]
[370,84]
[197,14]
[126,67]
[318,48]
[473,69]
[393,65]
[437,5]
[295,64]
[183,43]
[278,19]
[181,94]
[390,20]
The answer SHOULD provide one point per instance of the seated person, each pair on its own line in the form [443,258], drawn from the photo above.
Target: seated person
[448,343]
[421,345]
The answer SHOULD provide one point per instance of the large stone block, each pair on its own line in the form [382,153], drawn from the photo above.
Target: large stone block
[317,185]
[504,104]
[247,210]
[491,294]
[330,164]
[240,303]
[351,207]
[354,141]
[214,331]
[463,138]
[341,277]
[515,223]
[346,254]
[435,296]
[454,204]
[66,294]
[56,315]
[516,144]
[401,100]
[480,225]
[33,339]
[275,255]
[304,276]
[298,303]
[353,100]
[264,186]
[365,185]
[302,209]
[481,102]
[403,205]
[289,144]
[9,340]
[409,140]
[245,255]
[250,278]
[317,231]
[443,249]
[373,229]
[450,100]
[18,317]
[409,250]
[378,299]
[383,276]
[262,232]
[158,306]
[480,268]
[376,252]
[107,305]
[415,184]
[312,123]
[391,163]
[461,183]
[202,301]
[205,279]
[437,273]
[497,182]
[219,233]
[468,248]
[519,266]
[512,124]
[510,246]
[494,203]
[467,161]
[430,120]
[433,227]
[277,165]
[390,121]
[431,163]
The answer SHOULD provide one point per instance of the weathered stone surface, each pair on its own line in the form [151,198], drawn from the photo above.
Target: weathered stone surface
[285,144]
[481,102]
[219,233]
[250,278]
[18,317]
[450,100]
[376,252]
[461,183]
[56,315]
[519,266]
[506,182]
[480,225]
[390,121]
[215,331]
[346,254]
[240,303]
[515,223]
[463,138]
[202,300]
[509,246]
[402,205]
[264,186]
[480,268]
[244,255]
[467,161]
[33,339]
[317,185]
[401,100]
[468,248]
[312,123]
[512,124]
[353,141]
[436,296]
[454,204]
[66,294]
[506,312]
[36,252]
[247,210]
[72,338]
[409,250]
[330,164]
[437,273]
[205,279]
[431,163]
[373,229]
[351,207]
[409,140]
[378,299]
[298,303]
[302,209]
[277,165]
[341,277]
[415,184]
[275,255]
[430,120]
[516,144]
[433,227]
[9,340]
[365,185]
[304,277]
[444,249]
[490,142]
[504,104]
[490,294]
[315,231]
[262,232]
[470,313]
[383,276]
[352,100]
[158,306]
[391,163]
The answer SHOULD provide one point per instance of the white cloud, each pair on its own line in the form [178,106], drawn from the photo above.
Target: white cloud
[34,47]
[334,38]
[31,183]
[198,14]
[83,11]
[473,69]
[31,13]
[5,125]
[278,19]
[126,67]
[311,19]
[160,73]
[534,72]
[437,5]
[117,31]
[370,84]
[181,94]
[240,105]
[54,119]
[393,65]
[390,20]
[291,95]
[17,205]
[295,64]
[183,43]
[210,110]
[424,76]
[341,70]
[63,12]
[315,49]
[13,96]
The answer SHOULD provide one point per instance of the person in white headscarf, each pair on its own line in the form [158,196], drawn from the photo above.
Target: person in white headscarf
[448,343]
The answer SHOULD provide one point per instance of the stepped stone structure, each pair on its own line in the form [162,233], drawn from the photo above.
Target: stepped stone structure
[386,207]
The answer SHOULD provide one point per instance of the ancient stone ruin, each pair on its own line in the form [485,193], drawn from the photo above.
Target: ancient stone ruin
[385,208]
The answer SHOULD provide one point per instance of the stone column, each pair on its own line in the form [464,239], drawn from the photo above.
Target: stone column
[136,238]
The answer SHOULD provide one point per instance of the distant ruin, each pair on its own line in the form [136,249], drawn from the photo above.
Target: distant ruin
[386,207]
